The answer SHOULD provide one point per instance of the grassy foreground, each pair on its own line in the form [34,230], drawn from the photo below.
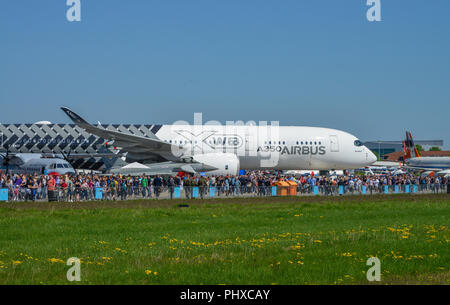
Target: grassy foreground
[273,240]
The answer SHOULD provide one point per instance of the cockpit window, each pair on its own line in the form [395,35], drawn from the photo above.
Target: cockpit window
[358,143]
[59,165]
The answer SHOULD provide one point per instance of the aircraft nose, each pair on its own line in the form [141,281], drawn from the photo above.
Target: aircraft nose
[371,158]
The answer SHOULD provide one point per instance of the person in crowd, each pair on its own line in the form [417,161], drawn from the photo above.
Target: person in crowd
[171,186]
[157,183]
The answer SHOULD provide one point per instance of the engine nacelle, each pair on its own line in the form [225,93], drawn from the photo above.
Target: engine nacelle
[226,163]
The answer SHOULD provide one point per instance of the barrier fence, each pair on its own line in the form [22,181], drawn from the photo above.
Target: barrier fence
[193,192]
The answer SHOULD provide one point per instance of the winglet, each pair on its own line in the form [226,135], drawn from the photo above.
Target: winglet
[75,117]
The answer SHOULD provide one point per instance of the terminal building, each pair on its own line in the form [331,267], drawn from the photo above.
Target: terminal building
[382,148]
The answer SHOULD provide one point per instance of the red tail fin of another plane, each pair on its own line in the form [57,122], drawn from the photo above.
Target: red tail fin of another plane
[408,146]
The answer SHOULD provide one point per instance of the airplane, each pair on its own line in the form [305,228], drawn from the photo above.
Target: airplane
[34,163]
[429,165]
[224,150]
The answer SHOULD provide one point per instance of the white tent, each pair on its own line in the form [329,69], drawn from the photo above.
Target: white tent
[135,165]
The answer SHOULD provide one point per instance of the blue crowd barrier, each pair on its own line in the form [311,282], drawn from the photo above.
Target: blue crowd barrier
[274,190]
[386,189]
[195,192]
[3,194]
[212,191]
[176,192]
[99,193]
[316,190]
[363,189]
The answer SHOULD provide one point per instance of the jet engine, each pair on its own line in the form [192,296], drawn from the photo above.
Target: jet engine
[224,163]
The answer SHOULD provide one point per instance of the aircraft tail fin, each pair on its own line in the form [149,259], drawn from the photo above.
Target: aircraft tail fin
[409,147]
[406,152]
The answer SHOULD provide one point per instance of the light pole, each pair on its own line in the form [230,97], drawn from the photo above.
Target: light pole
[379,150]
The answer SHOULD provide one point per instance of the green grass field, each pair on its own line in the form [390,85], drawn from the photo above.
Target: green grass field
[292,240]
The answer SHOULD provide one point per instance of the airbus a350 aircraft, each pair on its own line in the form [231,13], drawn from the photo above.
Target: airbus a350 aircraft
[218,149]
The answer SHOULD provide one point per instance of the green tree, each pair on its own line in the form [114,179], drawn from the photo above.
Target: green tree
[435,148]
[419,147]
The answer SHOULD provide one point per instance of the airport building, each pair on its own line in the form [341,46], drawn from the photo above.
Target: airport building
[382,148]
[45,137]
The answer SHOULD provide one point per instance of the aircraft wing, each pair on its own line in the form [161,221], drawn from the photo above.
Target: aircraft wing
[163,168]
[93,155]
[127,142]
[79,155]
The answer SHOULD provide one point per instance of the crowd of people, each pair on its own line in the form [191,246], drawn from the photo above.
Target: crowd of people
[85,187]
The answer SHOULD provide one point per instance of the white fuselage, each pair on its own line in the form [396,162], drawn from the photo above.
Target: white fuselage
[34,163]
[268,147]
[429,163]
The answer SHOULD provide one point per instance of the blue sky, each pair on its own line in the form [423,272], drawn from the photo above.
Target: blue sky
[301,62]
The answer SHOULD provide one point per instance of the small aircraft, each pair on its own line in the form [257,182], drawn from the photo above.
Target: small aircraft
[19,163]
[428,165]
